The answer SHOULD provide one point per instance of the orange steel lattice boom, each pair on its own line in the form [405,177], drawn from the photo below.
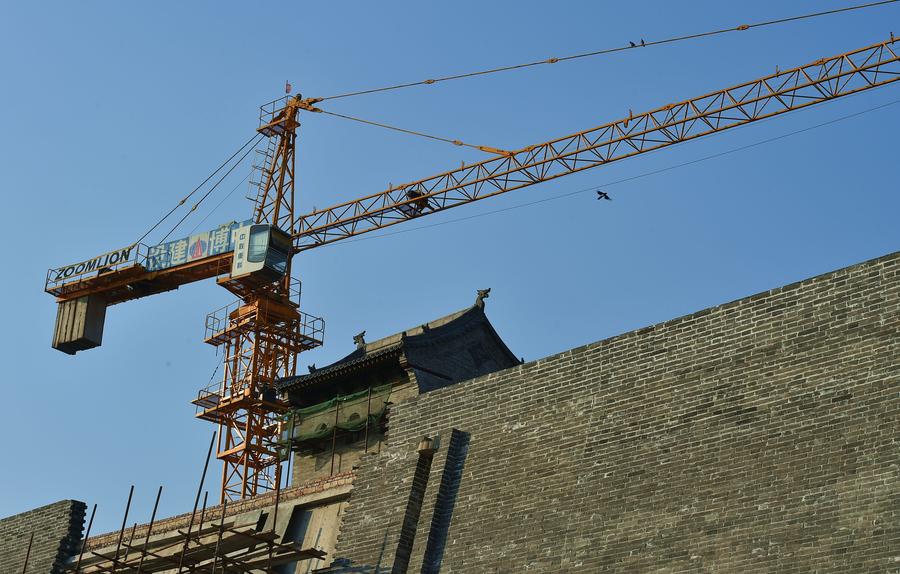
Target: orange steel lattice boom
[779,93]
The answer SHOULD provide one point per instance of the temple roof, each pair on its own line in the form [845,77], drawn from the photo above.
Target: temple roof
[421,346]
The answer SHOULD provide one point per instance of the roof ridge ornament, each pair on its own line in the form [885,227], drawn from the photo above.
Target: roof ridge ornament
[360,340]
[482,295]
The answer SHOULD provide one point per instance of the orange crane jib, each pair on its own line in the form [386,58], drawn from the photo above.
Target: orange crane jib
[779,93]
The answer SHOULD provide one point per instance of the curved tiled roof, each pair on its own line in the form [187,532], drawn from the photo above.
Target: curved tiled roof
[355,360]
[392,346]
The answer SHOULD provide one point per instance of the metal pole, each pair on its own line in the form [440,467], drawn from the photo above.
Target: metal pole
[187,538]
[122,530]
[130,540]
[277,500]
[337,406]
[245,454]
[149,528]
[289,468]
[274,522]
[28,553]
[84,542]
[219,539]
[290,452]
[222,431]
[368,414]
[203,512]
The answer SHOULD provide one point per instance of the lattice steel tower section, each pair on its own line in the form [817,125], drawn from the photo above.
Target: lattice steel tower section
[263,333]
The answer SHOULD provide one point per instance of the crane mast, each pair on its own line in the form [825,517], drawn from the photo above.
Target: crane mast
[262,334]
[275,198]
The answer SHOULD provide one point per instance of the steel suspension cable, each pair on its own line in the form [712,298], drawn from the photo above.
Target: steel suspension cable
[188,196]
[455,142]
[682,38]
[218,205]
[210,190]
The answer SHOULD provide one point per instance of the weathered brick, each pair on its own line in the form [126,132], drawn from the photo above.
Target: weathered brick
[57,531]
[755,436]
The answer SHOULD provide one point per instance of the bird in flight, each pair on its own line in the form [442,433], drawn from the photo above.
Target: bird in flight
[603,195]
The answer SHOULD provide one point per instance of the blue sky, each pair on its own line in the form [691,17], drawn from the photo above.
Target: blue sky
[112,111]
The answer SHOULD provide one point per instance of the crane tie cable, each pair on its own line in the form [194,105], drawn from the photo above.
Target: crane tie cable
[455,142]
[218,205]
[188,196]
[210,190]
[740,28]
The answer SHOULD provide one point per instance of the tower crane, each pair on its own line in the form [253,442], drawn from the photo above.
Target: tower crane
[263,333]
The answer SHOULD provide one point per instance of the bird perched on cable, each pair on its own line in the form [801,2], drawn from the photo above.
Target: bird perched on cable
[642,43]
[633,45]
[603,195]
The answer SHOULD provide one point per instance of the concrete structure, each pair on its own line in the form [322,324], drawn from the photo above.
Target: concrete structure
[756,436]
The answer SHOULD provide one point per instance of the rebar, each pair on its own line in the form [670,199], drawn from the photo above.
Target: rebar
[84,542]
[149,529]
[187,538]
[28,553]
[122,530]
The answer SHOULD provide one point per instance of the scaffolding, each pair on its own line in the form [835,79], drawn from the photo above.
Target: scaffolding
[360,411]
[212,542]
[218,546]
[261,337]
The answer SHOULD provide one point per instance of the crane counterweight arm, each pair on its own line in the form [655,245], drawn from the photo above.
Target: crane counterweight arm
[786,90]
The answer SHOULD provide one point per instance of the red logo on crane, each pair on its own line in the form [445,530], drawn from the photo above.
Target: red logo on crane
[198,249]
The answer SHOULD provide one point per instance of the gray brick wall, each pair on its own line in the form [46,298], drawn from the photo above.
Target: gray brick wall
[756,436]
[57,532]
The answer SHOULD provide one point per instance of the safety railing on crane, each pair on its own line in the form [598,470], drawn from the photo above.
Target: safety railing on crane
[142,257]
[59,280]
[234,315]
[269,115]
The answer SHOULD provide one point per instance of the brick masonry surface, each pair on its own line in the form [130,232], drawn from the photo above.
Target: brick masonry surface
[756,436]
[57,531]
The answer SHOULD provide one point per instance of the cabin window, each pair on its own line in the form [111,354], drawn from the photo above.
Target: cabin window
[259,244]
